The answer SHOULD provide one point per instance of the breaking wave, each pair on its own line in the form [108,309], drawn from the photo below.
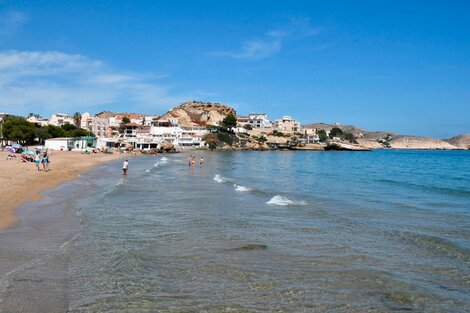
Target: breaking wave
[219,179]
[241,188]
[283,201]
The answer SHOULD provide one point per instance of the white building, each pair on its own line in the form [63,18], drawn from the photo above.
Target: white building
[259,120]
[97,125]
[192,136]
[60,119]
[287,123]
[38,121]
[70,143]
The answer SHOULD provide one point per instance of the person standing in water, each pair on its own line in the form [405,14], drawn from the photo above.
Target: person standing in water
[125,166]
[201,161]
[190,160]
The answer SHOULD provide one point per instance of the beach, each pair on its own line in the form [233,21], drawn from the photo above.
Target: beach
[22,183]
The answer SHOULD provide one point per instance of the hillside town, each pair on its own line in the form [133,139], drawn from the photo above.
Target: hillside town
[108,130]
[197,124]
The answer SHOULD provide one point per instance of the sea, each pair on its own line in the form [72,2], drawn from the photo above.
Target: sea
[380,231]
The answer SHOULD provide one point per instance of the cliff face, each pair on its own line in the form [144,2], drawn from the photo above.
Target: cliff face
[461,141]
[199,113]
[416,142]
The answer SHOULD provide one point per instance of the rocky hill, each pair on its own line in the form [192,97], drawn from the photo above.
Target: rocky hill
[357,131]
[196,113]
[417,142]
[461,141]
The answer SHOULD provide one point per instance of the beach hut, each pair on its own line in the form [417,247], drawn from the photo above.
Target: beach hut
[60,143]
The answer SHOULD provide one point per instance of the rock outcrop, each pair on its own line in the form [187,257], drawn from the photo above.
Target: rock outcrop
[196,113]
[341,146]
[417,142]
[461,141]
[370,144]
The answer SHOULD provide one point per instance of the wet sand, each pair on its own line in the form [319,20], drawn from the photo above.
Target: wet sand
[22,182]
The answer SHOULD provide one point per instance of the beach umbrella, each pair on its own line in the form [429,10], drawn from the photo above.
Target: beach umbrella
[28,152]
[17,146]
[10,149]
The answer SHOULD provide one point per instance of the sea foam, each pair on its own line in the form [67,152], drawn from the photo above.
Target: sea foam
[219,179]
[241,188]
[283,201]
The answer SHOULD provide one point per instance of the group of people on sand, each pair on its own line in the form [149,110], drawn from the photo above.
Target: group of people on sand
[42,159]
[192,160]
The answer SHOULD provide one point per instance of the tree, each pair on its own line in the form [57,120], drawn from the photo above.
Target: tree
[248,127]
[322,135]
[126,120]
[68,127]
[336,132]
[230,121]
[34,115]
[349,137]
[16,128]
[77,119]
[56,131]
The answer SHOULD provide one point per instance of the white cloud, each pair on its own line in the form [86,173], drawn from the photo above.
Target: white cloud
[50,81]
[255,49]
[272,42]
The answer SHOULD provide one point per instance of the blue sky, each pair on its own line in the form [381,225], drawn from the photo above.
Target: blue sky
[402,66]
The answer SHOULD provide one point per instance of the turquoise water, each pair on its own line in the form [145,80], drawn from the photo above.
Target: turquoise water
[379,231]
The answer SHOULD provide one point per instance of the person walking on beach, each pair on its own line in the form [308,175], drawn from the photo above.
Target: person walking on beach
[37,160]
[125,166]
[45,162]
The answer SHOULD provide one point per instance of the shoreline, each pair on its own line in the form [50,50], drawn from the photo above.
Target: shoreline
[22,183]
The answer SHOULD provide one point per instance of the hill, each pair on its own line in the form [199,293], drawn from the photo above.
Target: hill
[419,142]
[195,113]
[460,141]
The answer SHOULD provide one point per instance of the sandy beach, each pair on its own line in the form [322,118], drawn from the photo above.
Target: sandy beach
[21,182]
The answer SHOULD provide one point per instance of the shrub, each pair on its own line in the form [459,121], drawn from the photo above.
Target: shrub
[336,132]
[224,137]
[349,137]
[322,135]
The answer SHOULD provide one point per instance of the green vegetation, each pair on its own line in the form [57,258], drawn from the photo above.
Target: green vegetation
[17,128]
[212,128]
[277,133]
[349,137]
[261,139]
[322,135]
[77,119]
[336,132]
[126,120]
[225,137]
[230,121]
[248,127]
